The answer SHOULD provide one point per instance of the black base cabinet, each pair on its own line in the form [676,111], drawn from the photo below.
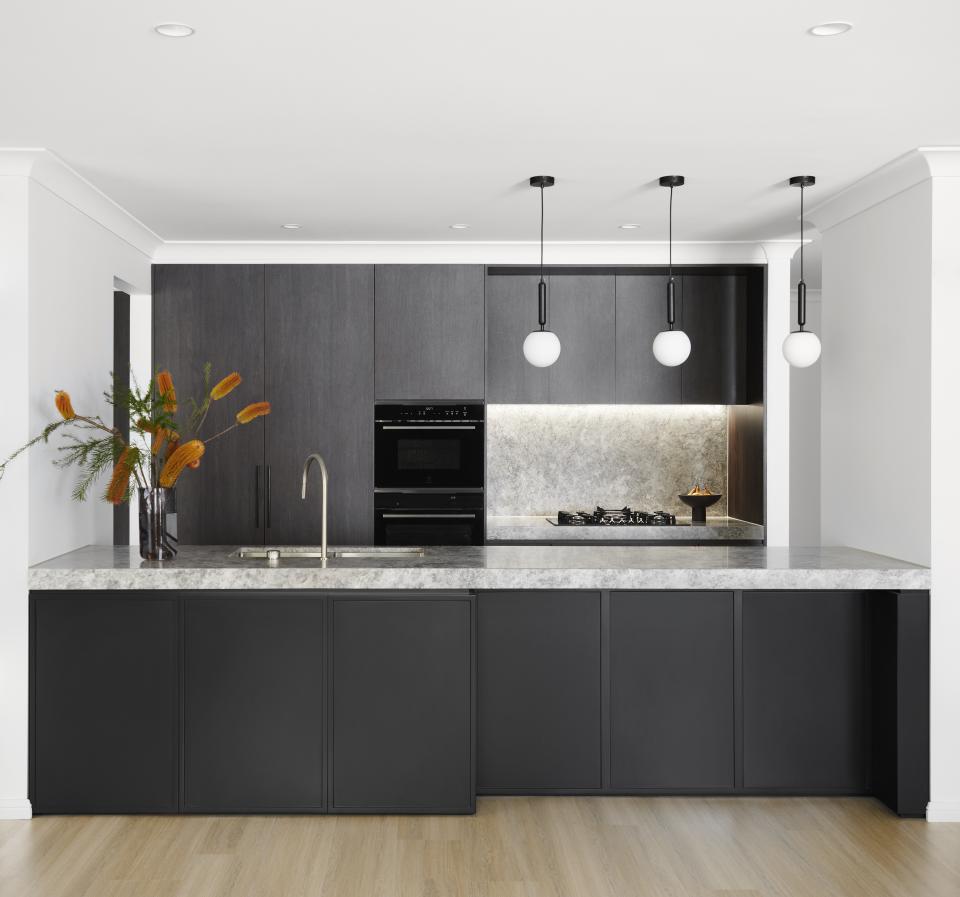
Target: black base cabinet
[415,701]
[540,692]
[402,706]
[253,721]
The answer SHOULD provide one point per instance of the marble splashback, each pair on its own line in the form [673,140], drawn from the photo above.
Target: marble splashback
[543,458]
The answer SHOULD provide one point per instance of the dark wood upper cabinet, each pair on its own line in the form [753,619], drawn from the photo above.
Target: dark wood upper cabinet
[319,373]
[429,332]
[714,317]
[511,315]
[215,313]
[583,315]
[641,315]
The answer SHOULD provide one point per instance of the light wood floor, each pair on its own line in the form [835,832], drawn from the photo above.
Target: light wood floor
[513,847]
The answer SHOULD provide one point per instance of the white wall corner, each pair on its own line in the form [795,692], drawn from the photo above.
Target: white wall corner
[900,174]
[50,171]
[15,809]
[943,811]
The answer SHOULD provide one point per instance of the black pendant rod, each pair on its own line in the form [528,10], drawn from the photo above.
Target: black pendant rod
[542,181]
[802,181]
[671,181]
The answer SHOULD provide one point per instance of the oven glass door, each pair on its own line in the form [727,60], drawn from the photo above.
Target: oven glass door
[410,456]
[423,527]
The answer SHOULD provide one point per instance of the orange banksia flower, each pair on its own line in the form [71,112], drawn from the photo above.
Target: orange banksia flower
[252,412]
[160,436]
[117,487]
[185,454]
[144,426]
[62,401]
[167,393]
[227,385]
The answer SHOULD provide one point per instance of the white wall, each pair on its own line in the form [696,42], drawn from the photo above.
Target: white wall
[73,262]
[805,437]
[875,370]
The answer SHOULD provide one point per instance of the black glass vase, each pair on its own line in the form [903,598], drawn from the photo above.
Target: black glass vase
[158,524]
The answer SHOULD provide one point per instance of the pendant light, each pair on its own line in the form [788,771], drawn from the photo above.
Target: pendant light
[541,347]
[671,347]
[801,348]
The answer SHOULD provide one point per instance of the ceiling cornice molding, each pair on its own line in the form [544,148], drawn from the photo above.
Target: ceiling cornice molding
[460,252]
[47,169]
[895,177]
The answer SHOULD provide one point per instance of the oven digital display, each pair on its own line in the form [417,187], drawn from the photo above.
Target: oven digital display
[428,454]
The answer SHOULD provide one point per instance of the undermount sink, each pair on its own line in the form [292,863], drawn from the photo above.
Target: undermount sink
[266,552]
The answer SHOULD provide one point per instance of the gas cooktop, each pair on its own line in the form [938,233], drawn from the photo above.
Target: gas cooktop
[615,517]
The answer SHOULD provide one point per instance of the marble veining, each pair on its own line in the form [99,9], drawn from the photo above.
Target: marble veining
[545,458]
[540,529]
[490,567]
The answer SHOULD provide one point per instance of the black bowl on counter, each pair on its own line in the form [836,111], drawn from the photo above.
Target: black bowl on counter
[699,504]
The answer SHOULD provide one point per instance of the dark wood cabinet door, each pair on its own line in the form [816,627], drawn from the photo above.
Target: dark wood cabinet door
[803,691]
[641,315]
[105,704]
[429,332]
[319,376]
[402,705]
[583,315]
[215,313]
[714,317]
[671,691]
[511,314]
[253,704]
[538,692]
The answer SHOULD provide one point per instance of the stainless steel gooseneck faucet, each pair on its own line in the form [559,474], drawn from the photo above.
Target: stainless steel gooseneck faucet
[325,479]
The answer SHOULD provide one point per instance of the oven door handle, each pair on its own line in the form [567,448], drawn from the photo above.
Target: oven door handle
[430,516]
[437,427]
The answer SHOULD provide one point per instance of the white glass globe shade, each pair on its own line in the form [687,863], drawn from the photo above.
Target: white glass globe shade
[801,348]
[541,348]
[671,347]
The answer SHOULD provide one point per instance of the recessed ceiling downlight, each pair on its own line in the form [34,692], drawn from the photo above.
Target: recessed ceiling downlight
[459,226]
[173,29]
[830,29]
[290,226]
[629,226]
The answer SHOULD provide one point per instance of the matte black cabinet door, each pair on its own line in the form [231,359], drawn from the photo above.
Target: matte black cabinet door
[641,315]
[253,704]
[511,315]
[671,691]
[583,315]
[714,317]
[106,709]
[539,691]
[429,332]
[319,375]
[402,705]
[214,313]
[803,691]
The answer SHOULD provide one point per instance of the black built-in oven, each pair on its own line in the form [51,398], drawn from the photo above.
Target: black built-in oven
[428,474]
[435,446]
[428,518]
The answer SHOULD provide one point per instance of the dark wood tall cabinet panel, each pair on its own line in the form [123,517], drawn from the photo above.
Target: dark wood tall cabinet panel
[429,332]
[672,691]
[583,315]
[215,313]
[319,377]
[253,704]
[538,692]
[641,315]
[511,314]
[714,317]
[804,691]
[105,704]
[402,705]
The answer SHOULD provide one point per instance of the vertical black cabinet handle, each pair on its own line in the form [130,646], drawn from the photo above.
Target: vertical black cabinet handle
[269,495]
[256,499]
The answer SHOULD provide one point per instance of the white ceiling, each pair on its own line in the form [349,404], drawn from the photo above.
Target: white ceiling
[383,120]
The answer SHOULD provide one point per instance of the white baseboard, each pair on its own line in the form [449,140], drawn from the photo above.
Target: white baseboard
[15,809]
[943,811]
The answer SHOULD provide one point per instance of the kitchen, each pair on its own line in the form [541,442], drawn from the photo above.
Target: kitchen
[516,557]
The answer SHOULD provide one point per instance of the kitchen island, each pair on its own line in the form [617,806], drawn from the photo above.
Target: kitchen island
[217,684]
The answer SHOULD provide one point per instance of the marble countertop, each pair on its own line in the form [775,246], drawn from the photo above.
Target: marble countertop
[519,529]
[490,567]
